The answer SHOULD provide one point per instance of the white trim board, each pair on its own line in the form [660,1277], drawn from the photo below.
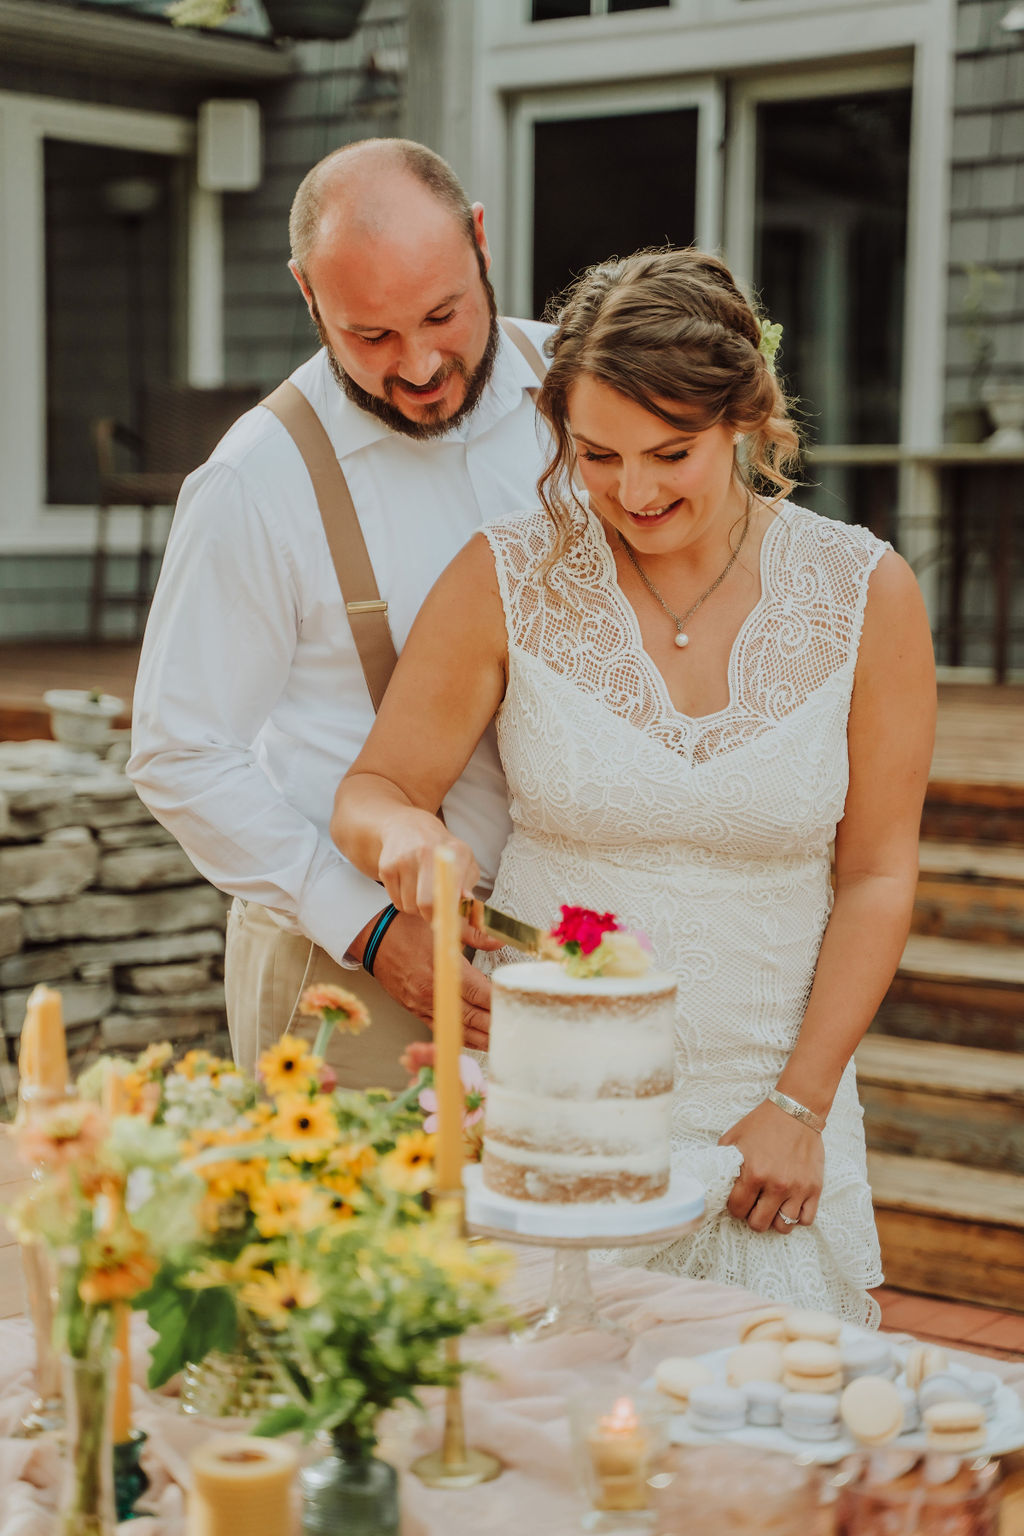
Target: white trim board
[27,524]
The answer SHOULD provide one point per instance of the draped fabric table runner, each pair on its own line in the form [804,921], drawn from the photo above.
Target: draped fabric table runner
[518,1412]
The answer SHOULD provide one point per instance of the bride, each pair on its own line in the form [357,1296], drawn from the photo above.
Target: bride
[697,686]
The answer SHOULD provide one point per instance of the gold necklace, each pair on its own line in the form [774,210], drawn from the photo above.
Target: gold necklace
[682,639]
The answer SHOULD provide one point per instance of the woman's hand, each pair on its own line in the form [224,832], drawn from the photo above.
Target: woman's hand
[783,1170]
[406,868]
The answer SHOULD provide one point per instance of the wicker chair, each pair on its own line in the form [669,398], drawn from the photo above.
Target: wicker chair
[179,426]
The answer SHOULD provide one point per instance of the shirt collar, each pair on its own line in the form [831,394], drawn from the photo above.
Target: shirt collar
[351,428]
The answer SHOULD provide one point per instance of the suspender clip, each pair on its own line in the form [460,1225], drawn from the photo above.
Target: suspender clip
[372,605]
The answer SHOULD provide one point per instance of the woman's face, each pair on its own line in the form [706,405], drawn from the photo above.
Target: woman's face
[661,488]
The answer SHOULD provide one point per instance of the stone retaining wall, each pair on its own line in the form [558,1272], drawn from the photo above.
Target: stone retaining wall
[97,900]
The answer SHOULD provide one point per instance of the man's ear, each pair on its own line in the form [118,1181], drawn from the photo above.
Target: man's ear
[307,292]
[479,236]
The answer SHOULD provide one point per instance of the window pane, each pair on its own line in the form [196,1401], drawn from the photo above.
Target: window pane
[109,297]
[605,186]
[636,5]
[831,231]
[555,10]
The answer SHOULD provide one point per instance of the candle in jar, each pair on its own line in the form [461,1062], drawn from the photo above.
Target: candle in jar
[447,1022]
[619,1451]
[43,1058]
[241,1484]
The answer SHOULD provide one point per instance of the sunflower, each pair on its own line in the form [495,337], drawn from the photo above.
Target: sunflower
[289,1066]
[274,1296]
[203,1064]
[308,1124]
[286,1206]
[409,1169]
[354,1158]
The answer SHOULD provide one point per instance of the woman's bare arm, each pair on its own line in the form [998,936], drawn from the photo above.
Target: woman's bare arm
[448,684]
[891,735]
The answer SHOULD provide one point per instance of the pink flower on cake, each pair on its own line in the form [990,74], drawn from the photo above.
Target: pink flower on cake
[596,944]
[474,1086]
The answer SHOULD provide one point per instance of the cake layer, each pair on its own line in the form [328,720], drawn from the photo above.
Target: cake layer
[614,1128]
[588,1181]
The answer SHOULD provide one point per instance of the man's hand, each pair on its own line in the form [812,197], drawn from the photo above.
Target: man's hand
[405,969]
[783,1170]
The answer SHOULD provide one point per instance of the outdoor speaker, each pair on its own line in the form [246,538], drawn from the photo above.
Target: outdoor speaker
[230,157]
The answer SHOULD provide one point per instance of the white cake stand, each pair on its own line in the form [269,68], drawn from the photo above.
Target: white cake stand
[572,1231]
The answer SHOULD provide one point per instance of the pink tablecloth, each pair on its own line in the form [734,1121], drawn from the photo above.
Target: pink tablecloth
[518,1412]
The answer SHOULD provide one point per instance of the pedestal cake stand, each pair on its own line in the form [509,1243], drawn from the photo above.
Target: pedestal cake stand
[572,1231]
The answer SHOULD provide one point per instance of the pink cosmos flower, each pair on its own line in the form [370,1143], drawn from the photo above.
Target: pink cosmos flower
[474,1086]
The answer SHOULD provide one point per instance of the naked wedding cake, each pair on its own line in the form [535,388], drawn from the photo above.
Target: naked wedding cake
[580,1079]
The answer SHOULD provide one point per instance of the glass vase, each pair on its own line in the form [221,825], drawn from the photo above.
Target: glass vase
[349,1490]
[241,1384]
[87,1494]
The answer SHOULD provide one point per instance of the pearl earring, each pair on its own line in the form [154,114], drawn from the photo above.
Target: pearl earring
[737,437]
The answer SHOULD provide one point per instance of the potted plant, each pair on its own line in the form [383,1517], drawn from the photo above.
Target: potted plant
[82,717]
[333,20]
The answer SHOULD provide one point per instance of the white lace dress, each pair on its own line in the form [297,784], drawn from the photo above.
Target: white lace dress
[712,836]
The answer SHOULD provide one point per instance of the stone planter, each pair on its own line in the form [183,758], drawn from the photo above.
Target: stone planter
[81,719]
[334,20]
[1005,406]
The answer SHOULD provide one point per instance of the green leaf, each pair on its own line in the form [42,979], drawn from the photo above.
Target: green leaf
[201,1322]
[281,1421]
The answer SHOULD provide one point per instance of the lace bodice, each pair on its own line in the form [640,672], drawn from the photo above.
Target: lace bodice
[711,834]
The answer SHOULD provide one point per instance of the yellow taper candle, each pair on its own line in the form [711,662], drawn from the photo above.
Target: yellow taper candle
[114,1104]
[43,1057]
[447,1022]
[241,1485]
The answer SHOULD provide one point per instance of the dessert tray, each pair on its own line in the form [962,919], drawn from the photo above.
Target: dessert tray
[1004,1430]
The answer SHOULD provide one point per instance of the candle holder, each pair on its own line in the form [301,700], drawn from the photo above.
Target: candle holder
[455,1465]
[619,1435]
[130,1480]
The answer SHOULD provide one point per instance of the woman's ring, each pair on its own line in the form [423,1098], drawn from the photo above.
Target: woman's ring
[790,1221]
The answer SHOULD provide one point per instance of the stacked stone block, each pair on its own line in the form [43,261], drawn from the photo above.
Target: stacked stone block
[97,900]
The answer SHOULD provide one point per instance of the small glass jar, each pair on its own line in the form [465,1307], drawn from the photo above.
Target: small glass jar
[619,1435]
[735,1490]
[900,1494]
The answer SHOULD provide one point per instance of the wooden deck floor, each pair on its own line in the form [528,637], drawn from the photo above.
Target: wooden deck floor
[980,737]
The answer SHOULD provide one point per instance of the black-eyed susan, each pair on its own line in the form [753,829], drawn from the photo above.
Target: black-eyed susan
[289,1066]
[409,1169]
[307,1125]
[288,1205]
[275,1296]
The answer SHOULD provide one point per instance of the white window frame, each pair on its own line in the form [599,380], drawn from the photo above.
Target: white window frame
[27,524]
[609,101]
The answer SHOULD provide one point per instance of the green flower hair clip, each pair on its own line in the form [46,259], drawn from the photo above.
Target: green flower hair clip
[771,339]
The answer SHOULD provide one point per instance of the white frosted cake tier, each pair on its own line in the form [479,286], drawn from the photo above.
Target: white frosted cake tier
[601,1224]
[579,1092]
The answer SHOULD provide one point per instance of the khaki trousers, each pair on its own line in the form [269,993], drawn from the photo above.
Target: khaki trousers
[265,972]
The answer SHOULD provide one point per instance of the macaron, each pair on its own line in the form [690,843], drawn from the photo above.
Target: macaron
[678,1375]
[810,1366]
[944,1387]
[716,1409]
[764,1400]
[911,1408]
[758,1361]
[955,1427]
[769,1323]
[810,1415]
[872,1410]
[923,1360]
[821,1326]
[867,1355]
[983,1387]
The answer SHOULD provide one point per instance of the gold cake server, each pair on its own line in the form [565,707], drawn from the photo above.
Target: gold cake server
[521,935]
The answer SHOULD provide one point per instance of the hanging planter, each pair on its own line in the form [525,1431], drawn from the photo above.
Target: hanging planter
[334,20]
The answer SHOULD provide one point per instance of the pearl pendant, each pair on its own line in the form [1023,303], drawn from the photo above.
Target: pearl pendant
[682,640]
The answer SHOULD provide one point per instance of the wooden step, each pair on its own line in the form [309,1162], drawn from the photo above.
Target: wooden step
[943,1101]
[970,891]
[956,992]
[950,1231]
[959,810]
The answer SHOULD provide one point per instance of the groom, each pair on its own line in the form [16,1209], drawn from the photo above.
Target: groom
[251,700]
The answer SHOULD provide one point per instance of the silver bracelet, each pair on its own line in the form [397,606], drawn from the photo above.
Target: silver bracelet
[798,1111]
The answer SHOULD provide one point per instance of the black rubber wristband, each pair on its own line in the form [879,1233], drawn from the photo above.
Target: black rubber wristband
[380,928]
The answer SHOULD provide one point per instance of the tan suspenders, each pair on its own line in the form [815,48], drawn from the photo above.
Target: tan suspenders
[367,611]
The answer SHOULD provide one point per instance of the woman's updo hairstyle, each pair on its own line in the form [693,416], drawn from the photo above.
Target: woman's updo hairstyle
[670,330]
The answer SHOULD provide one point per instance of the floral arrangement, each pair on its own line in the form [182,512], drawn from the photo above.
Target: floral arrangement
[222,1206]
[592,943]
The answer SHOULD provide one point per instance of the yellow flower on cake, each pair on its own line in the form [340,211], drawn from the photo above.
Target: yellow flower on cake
[289,1066]
[333,1005]
[308,1125]
[409,1169]
[274,1296]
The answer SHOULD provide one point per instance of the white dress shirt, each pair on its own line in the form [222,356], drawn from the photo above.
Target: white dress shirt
[250,701]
